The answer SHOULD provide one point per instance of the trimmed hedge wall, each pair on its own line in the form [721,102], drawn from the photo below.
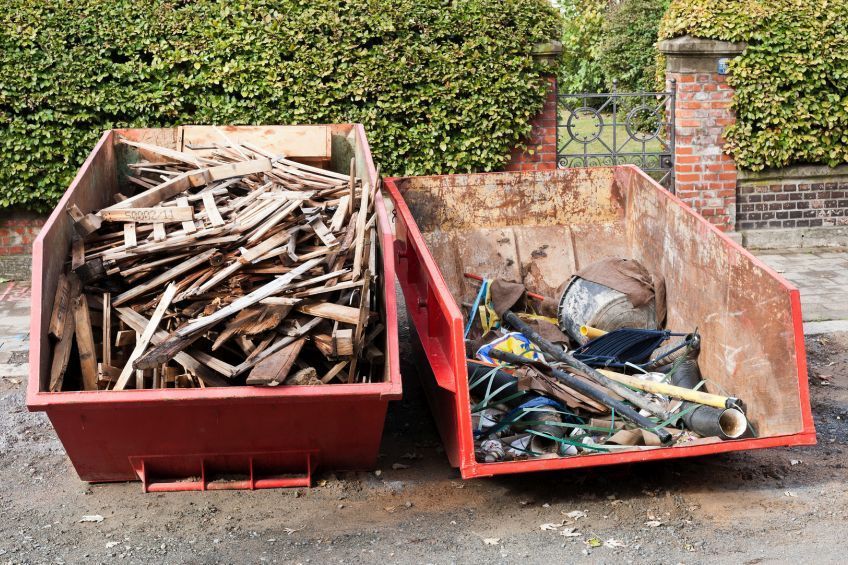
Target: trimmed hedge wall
[792,81]
[441,86]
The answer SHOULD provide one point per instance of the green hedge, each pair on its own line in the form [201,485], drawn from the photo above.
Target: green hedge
[441,86]
[792,81]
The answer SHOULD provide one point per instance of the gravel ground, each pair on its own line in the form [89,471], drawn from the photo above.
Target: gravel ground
[777,505]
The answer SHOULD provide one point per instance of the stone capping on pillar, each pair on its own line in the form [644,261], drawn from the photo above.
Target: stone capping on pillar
[540,154]
[705,176]
[690,54]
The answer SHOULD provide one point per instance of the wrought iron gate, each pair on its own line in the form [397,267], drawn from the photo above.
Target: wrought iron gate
[618,128]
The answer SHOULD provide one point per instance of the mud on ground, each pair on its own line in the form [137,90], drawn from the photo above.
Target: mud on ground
[776,505]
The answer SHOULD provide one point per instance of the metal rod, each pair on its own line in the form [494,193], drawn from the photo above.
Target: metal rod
[584,388]
[581,368]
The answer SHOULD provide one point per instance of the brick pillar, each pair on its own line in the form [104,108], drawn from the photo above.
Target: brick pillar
[18,229]
[541,150]
[705,177]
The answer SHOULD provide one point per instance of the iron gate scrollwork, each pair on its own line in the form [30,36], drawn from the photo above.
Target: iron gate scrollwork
[618,128]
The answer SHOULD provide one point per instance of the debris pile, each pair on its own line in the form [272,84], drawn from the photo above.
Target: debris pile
[228,266]
[543,383]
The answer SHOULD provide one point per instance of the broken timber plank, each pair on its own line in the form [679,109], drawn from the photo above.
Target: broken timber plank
[274,369]
[61,307]
[162,214]
[142,342]
[167,276]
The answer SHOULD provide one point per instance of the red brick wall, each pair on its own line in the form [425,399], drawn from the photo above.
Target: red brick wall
[540,154]
[18,230]
[705,177]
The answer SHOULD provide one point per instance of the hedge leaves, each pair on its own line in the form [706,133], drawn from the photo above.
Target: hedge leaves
[440,86]
[791,82]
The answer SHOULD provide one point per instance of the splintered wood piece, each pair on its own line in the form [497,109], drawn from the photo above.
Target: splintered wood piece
[139,380]
[255,253]
[178,340]
[162,214]
[340,215]
[188,225]
[159,233]
[84,224]
[306,376]
[334,288]
[91,270]
[138,323]
[164,191]
[334,371]
[263,353]
[361,219]
[124,338]
[77,253]
[240,169]
[62,350]
[274,369]
[61,307]
[212,210]
[351,186]
[323,233]
[330,311]
[85,343]
[129,235]
[364,312]
[165,277]
[142,342]
[324,344]
[342,342]
[107,329]
[274,221]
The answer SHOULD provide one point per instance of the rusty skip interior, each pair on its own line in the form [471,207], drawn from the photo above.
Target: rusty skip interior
[542,227]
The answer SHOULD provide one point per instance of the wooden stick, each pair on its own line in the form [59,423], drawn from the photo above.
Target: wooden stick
[85,343]
[165,277]
[142,342]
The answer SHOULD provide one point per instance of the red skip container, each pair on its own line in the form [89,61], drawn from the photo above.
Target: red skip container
[213,438]
[748,316]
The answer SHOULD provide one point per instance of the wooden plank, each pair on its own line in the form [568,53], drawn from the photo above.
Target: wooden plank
[360,233]
[212,210]
[340,215]
[62,350]
[163,278]
[85,343]
[162,214]
[188,226]
[107,329]
[164,191]
[310,141]
[352,186]
[274,369]
[146,335]
[178,339]
[172,154]
[323,233]
[334,288]
[342,342]
[334,371]
[138,322]
[159,233]
[84,224]
[124,338]
[61,307]
[77,253]
[239,169]
[283,342]
[129,236]
[330,311]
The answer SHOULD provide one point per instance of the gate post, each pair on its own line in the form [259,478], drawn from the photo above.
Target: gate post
[705,177]
[541,151]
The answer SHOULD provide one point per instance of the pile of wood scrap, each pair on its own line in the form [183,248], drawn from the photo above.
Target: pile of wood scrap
[229,265]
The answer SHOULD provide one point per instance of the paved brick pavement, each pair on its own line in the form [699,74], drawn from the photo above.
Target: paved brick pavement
[822,277]
[14,330]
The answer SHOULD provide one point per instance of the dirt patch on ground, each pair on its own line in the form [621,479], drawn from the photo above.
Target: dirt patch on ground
[761,506]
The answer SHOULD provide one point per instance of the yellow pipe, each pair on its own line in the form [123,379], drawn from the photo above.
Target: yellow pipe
[680,392]
[591,332]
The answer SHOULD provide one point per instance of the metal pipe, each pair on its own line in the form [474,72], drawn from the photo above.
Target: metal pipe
[581,368]
[584,388]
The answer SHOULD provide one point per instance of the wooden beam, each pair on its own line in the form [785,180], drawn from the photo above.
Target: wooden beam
[61,307]
[142,342]
[162,214]
[330,311]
